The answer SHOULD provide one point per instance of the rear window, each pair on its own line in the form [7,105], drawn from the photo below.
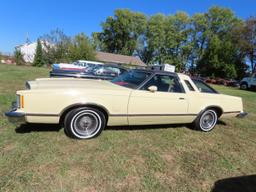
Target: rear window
[203,87]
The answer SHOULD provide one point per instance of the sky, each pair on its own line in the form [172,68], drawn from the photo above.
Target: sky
[38,17]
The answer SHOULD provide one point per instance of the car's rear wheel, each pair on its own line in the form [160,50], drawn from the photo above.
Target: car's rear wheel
[84,123]
[206,121]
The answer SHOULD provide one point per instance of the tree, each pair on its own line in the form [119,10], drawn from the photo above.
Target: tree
[39,59]
[121,32]
[245,37]
[219,59]
[221,56]
[155,37]
[19,57]
[199,32]
[167,39]
[251,34]
[178,46]
[81,48]
[56,45]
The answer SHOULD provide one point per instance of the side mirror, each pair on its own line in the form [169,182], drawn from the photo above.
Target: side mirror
[152,88]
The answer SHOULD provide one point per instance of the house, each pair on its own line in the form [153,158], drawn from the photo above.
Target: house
[119,59]
[28,50]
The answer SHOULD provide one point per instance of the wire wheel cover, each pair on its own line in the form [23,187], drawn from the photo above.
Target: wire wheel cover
[86,123]
[208,120]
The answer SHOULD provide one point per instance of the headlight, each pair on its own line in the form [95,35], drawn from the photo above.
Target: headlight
[19,101]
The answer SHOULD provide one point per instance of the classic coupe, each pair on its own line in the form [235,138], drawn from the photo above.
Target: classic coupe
[137,97]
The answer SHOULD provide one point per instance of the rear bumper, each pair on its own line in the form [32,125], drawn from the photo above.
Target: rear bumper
[15,117]
[242,114]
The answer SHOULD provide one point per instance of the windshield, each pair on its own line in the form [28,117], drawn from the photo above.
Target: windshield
[131,79]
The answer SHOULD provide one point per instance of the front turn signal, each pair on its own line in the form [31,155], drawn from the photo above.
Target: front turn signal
[22,101]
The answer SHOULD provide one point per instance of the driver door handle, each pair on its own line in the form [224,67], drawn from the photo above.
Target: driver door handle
[181,98]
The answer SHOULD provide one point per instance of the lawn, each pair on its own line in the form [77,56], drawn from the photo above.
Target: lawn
[163,158]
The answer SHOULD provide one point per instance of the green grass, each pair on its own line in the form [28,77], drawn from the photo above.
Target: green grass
[42,158]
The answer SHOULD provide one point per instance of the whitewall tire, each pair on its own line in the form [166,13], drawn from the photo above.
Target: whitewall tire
[206,121]
[84,123]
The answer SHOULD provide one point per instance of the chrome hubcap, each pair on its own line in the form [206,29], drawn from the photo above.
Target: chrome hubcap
[85,123]
[208,120]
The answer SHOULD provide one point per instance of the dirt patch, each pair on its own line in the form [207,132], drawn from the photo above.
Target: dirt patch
[138,160]
[168,158]
[128,183]
[9,147]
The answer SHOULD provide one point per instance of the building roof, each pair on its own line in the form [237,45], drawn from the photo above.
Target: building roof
[120,59]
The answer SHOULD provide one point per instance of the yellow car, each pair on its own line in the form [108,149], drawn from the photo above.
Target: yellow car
[137,97]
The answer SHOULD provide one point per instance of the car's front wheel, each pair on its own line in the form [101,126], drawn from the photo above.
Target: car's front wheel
[84,123]
[206,121]
[244,86]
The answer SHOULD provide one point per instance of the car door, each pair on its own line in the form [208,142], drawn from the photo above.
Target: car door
[166,105]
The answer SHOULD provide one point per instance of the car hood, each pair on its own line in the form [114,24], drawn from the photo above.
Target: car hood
[72,83]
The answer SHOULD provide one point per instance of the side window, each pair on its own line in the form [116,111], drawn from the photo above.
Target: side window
[203,87]
[164,83]
[190,87]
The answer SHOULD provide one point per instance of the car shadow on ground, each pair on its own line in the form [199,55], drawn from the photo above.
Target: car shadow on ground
[163,126]
[221,122]
[236,184]
[144,127]
[28,128]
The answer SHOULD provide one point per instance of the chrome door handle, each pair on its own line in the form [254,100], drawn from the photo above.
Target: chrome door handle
[181,98]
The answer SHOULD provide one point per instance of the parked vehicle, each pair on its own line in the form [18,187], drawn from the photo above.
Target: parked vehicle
[77,66]
[248,82]
[137,97]
[105,72]
[221,81]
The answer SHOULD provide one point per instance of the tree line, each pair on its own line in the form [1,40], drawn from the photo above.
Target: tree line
[216,43]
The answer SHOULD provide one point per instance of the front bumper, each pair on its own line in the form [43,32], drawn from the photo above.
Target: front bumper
[15,117]
[242,114]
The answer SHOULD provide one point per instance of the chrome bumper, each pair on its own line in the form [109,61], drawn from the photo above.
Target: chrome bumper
[242,114]
[15,117]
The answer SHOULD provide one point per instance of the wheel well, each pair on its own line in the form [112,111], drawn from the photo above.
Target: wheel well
[68,109]
[218,110]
